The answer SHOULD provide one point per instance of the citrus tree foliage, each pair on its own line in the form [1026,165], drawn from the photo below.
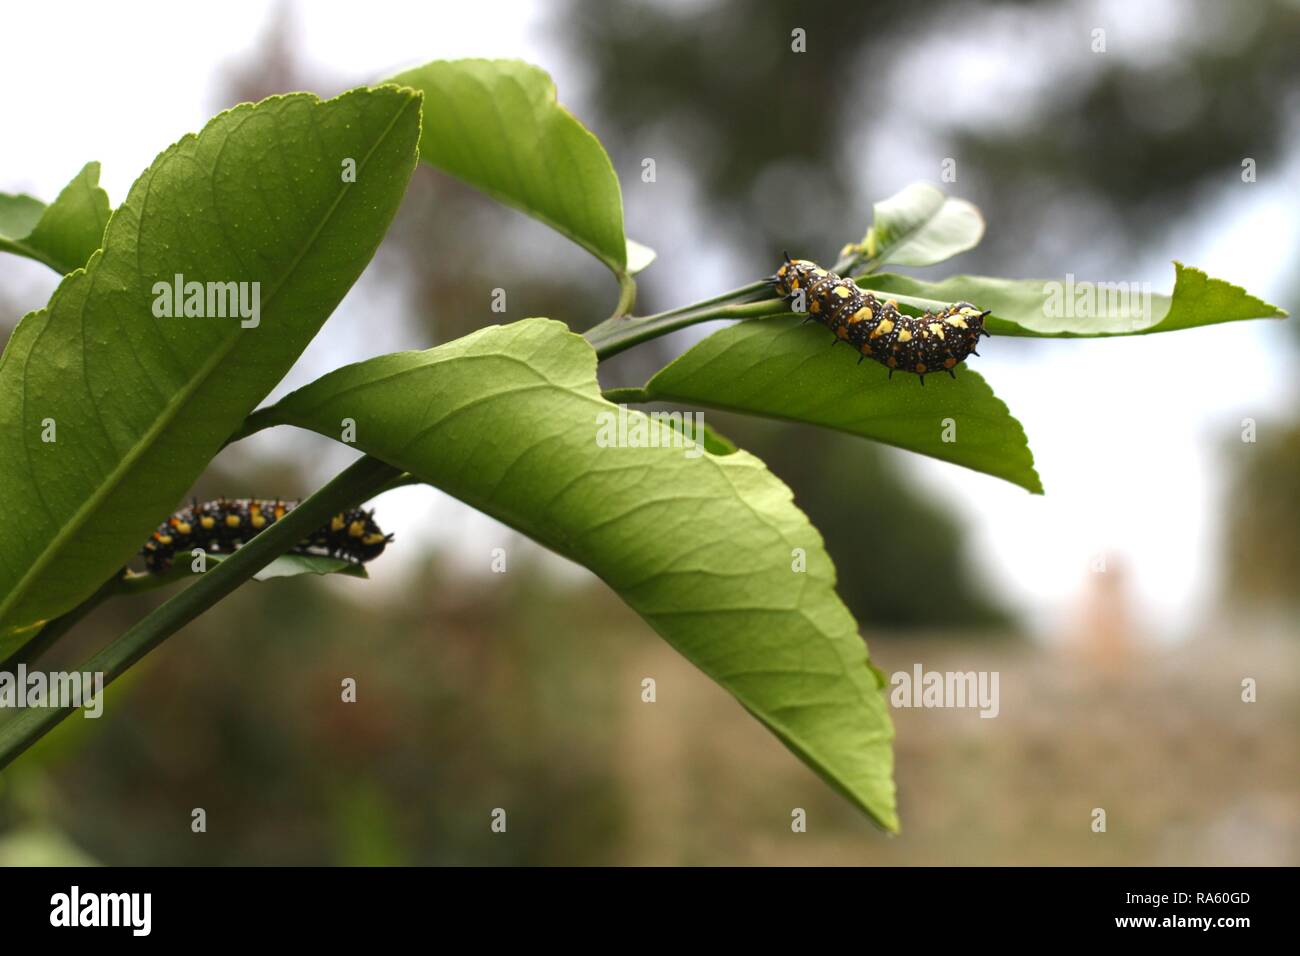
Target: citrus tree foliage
[115,397]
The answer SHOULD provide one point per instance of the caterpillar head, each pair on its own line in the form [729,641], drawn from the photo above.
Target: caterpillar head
[364,538]
[795,274]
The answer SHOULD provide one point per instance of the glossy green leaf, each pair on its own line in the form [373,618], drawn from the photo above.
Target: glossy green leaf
[138,403]
[496,125]
[63,234]
[510,420]
[920,226]
[780,368]
[715,443]
[686,423]
[1070,308]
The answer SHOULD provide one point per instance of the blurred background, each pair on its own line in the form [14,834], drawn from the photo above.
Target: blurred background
[1120,689]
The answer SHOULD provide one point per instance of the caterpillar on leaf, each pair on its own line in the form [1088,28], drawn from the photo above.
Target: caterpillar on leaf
[223,525]
[877,330]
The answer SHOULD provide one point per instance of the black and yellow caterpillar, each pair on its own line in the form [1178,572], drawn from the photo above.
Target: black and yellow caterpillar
[223,525]
[919,344]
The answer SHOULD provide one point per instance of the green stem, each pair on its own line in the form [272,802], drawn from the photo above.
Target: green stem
[745,293]
[615,335]
[620,332]
[359,481]
[626,295]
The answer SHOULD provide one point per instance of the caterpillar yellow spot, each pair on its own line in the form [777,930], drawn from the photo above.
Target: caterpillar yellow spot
[257,520]
[336,523]
[904,335]
[884,328]
[182,527]
[957,322]
[232,521]
[356,529]
[208,522]
[862,315]
[373,538]
[842,291]
[937,329]
[164,538]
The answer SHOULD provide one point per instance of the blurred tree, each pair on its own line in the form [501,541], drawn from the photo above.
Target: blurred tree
[1145,137]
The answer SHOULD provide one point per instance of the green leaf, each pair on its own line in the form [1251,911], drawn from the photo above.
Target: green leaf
[496,125]
[139,404]
[779,368]
[292,565]
[920,226]
[62,235]
[510,420]
[715,443]
[1072,308]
